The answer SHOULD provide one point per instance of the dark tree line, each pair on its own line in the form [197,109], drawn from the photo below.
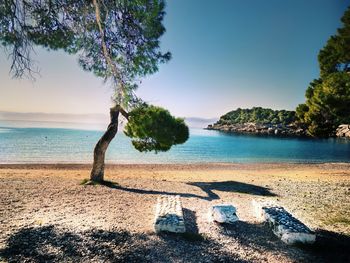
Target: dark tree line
[328,97]
[258,115]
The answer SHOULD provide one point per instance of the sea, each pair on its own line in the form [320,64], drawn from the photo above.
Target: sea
[39,142]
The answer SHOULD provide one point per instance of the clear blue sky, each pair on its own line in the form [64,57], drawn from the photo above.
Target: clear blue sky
[226,54]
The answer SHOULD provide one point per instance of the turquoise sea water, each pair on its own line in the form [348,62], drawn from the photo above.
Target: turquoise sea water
[52,145]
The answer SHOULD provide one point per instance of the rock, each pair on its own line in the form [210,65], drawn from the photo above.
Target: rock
[299,131]
[270,130]
[223,214]
[262,129]
[169,215]
[343,130]
[289,229]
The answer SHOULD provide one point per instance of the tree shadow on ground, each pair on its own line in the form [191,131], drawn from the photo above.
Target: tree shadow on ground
[50,244]
[207,187]
[329,246]
[259,238]
[152,192]
[53,244]
[231,186]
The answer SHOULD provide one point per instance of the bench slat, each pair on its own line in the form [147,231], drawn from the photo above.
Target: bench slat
[169,215]
[283,224]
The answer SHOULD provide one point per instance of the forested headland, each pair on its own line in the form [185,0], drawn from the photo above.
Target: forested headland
[326,111]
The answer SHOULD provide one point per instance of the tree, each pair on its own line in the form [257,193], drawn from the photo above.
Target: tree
[151,135]
[335,55]
[328,106]
[328,98]
[117,40]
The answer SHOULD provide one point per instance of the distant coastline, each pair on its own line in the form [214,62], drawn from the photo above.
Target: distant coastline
[76,121]
[52,125]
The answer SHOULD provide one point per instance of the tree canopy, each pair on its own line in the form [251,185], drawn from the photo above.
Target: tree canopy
[328,98]
[155,129]
[328,105]
[258,115]
[115,39]
[335,55]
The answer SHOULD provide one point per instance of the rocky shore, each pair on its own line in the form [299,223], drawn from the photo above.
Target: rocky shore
[274,129]
[343,131]
[262,129]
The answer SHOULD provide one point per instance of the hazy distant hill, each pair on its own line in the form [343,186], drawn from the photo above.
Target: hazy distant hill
[54,117]
[100,119]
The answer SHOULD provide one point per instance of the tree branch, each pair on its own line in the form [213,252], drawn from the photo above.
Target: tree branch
[113,67]
[124,113]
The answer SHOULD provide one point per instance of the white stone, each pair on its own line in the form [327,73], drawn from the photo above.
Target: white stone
[343,130]
[289,229]
[169,215]
[223,213]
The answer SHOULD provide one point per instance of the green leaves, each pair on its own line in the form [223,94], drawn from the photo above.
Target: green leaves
[155,129]
[328,98]
[335,56]
[131,32]
[258,115]
[329,105]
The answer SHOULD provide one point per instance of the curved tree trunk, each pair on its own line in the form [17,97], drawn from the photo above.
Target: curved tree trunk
[97,172]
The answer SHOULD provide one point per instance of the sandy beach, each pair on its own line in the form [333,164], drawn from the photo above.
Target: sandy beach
[46,215]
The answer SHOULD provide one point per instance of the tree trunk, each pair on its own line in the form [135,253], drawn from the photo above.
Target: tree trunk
[97,172]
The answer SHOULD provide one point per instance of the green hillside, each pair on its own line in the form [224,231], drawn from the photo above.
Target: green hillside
[258,115]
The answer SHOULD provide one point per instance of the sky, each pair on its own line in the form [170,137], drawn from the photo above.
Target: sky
[226,54]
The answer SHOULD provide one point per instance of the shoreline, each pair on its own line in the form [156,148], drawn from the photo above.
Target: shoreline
[189,164]
[179,166]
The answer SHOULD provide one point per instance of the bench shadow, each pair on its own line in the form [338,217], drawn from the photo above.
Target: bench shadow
[329,246]
[190,221]
[231,186]
[258,237]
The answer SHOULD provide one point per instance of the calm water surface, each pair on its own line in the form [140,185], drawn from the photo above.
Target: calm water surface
[48,145]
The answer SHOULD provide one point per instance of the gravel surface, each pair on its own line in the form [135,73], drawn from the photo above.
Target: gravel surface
[47,216]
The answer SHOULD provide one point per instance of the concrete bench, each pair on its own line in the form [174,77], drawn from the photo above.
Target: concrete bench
[223,213]
[289,229]
[169,215]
